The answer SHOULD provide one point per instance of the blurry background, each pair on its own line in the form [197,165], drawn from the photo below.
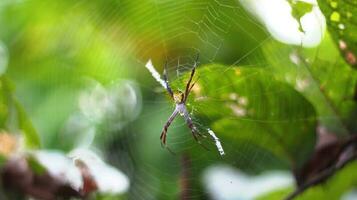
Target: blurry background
[272,77]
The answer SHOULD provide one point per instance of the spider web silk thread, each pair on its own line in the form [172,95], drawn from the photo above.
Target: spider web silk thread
[217,142]
[154,73]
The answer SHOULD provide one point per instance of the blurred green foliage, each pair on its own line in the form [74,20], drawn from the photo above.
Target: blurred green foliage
[14,119]
[264,99]
[342,25]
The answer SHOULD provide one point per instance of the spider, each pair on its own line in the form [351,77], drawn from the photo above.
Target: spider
[180,99]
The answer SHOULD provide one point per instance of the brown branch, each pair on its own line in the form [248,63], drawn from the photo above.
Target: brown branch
[323,176]
[185,176]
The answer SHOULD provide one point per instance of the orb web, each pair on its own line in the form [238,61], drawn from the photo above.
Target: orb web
[175,31]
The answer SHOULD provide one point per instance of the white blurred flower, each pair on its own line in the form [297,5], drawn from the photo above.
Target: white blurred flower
[107,178]
[60,166]
[277,18]
[226,183]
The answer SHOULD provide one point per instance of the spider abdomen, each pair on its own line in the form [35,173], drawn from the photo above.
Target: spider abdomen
[181,109]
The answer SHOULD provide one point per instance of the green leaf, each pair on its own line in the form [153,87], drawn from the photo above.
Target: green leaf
[32,139]
[323,77]
[341,20]
[299,9]
[249,107]
[13,116]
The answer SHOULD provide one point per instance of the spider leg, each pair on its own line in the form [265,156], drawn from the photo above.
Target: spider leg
[193,129]
[168,88]
[189,81]
[168,149]
[193,84]
[167,125]
[188,85]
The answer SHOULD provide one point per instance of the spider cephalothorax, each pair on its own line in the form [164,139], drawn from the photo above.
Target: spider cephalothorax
[180,99]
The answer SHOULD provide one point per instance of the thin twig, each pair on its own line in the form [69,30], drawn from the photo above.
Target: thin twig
[321,177]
